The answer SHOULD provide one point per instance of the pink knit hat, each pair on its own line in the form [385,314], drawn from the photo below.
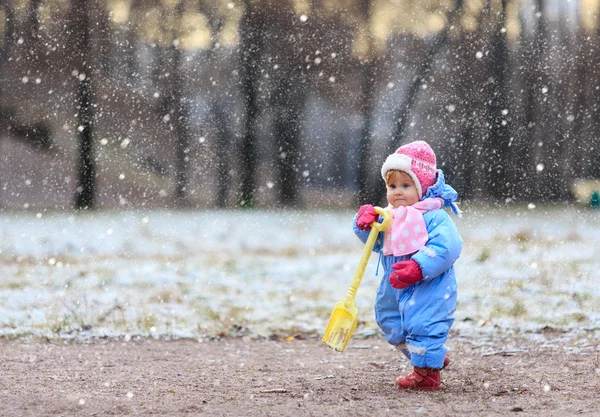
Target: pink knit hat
[417,160]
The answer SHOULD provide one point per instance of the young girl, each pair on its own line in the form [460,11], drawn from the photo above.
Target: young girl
[416,299]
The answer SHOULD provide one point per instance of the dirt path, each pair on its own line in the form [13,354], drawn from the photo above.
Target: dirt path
[292,378]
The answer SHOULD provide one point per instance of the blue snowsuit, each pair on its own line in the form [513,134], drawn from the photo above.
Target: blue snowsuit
[417,319]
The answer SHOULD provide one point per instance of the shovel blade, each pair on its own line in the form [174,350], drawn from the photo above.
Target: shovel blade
[341,326]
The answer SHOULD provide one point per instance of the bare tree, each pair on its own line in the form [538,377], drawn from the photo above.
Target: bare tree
[499,115]
[36,133]
[217,106]
[366,192]
[575,69]
[179,108]
[542,128]
[523,148]
[79,20]
[463,157]
[592,148]
[288,95]
[402,117]
[251,30]
[33,28]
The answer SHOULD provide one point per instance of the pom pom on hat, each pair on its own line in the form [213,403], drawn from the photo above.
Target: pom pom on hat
[417,160]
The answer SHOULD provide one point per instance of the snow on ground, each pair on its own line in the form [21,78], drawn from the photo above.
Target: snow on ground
[203,273]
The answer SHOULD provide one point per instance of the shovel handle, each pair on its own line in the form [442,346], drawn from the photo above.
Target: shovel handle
[376,227]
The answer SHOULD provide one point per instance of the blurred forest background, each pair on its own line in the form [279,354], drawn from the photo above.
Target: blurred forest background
[292,103]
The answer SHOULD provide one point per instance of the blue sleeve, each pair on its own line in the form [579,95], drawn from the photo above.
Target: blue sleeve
[443,247]
[363,235]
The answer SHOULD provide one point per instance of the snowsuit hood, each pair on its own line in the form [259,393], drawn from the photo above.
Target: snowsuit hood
[442,190]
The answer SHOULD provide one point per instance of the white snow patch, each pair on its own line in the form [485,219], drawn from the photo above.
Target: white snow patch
[167,274]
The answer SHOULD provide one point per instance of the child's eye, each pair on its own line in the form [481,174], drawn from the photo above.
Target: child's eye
[392,186]
[406,185]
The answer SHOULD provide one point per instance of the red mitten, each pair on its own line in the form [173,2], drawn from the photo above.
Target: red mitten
[365,216]
[405,273]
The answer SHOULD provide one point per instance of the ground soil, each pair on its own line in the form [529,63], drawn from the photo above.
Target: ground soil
[292,377]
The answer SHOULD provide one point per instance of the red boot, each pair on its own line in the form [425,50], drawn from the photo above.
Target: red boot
[421,379]
[446,362]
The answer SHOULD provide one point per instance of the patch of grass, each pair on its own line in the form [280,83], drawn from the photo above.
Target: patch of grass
[511,288]
[230,322]
[68,322]
[279,252]
[576,317]
[184,288]
[116,316]
[522,236]
[322,311]
[517,309]
[146,322]
[312,294]
[483,256]
[230,266]
[15,336]
[12,285]
[581,299]
[166,296]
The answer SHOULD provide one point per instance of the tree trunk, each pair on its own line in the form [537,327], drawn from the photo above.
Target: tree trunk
[8,37]
[524,159]
[499,115]
[79,14]
[592,146]
[367,191]
[33,28]
[37,134]
[582,106]
[575,40]
[223,151]
[130,51]
[543,129]
[217,107]
[289,102]
[251,41]
[179,108]
[368,76]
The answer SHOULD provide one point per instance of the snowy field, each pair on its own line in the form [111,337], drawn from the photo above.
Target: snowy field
[204,273]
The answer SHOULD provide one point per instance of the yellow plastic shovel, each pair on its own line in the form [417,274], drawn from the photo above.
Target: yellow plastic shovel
[344,317]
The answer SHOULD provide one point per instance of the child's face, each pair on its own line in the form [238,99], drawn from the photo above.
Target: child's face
[401,190]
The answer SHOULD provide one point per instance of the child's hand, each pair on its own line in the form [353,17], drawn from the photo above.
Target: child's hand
[365,216]
[405,273]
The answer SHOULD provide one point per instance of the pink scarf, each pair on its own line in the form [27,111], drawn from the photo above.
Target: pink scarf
[408,233]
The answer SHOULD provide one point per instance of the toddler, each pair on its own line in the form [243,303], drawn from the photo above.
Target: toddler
[416,299]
